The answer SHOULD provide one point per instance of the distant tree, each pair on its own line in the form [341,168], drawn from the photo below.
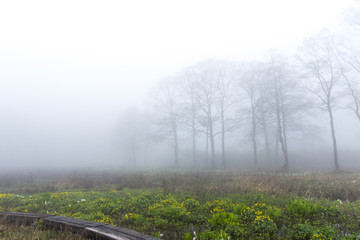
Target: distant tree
[131,133]
[167,114]
[352,84]
[207,91]
[265,115]
[250,76]
[213,98]
[260,107]
[348,59]
[319,63]
[278,76]
[225,101]
[281,104]
[188,83]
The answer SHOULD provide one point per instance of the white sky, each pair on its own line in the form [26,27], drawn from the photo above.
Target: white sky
[124,45]
[64,64]
[117,48]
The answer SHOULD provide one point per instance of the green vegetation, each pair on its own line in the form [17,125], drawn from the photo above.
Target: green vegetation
[213,209]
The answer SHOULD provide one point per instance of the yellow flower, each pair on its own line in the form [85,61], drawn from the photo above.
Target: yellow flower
[5,195]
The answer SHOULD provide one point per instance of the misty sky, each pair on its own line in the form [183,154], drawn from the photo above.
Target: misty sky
[68,68]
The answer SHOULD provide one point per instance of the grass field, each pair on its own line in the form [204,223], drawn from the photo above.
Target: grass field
[197,204]
[34,232]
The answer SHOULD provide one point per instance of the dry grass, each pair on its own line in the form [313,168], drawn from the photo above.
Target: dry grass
[344,186]
[33,232]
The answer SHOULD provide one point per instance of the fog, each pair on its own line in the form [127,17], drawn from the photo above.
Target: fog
[71,70]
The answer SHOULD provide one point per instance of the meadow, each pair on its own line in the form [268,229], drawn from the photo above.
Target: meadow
[201,205]
[34,231]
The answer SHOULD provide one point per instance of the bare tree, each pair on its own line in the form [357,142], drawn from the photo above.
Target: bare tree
[167,114]
[225,100]
[278,76]
[264,108]
[250,79]
[130,134]
[352,89]
[213,98]
[206,100]
[318,60]
[191,108]
[284,103]
[349,63]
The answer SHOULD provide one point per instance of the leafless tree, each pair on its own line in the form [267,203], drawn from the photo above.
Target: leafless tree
[188,83]
[349,62]
[167,113]
[213,88]
[206,98]
[278,76]
[225,101]
[250,79]
[131,133]
[321,68]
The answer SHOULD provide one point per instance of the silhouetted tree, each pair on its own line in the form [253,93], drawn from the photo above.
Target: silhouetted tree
[250,79]
[191,109]
[319,62]
[131,133]
[213,99]
[167,113]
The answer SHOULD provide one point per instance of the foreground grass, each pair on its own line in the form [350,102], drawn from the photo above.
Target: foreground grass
[33,232]
[209,205]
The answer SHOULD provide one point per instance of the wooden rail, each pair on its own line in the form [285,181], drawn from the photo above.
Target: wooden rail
[89,229]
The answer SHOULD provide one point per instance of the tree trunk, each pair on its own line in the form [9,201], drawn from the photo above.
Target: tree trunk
[280,118]
[253,123]
[211,136]
[277,140]
[266,135]
[223,138]
[212,145]
[193,138]
[207,147]
[337,168]
[176,145]
[285,167]
[285,147]
[280,133]
[254,142]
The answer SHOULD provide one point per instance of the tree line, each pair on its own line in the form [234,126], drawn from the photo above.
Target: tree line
[265,102]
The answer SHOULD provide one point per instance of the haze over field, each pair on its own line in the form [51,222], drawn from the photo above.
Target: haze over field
[70,69]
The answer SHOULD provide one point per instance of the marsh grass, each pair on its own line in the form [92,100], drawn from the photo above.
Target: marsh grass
[178,203]
[34,231]
[344,186]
